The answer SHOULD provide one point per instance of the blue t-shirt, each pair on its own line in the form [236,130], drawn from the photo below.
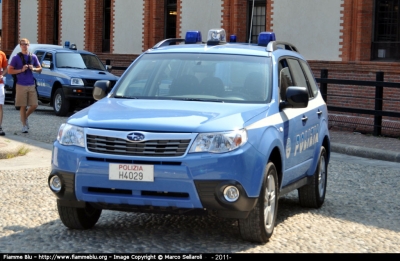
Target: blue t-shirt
[24,78]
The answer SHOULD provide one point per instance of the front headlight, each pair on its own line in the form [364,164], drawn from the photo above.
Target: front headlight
[71,135]
[219,142]
[76,81]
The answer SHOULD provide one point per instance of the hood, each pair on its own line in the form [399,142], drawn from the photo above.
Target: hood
[88,74]
[166,115]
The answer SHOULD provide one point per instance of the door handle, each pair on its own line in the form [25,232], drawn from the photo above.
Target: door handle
[305,118]
[319,112]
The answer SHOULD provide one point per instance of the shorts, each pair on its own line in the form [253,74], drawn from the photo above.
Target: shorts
[26,95]
[2,94]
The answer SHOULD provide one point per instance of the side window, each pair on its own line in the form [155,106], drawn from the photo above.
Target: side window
[310,78]
[39,55]
[297,72]
[285,78]
[48,57]
[298,75]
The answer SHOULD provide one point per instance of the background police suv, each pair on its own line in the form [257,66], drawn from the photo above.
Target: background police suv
[67,77]
[215,127]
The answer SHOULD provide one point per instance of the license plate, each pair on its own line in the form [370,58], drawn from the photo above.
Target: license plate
[8,92]
[131,172]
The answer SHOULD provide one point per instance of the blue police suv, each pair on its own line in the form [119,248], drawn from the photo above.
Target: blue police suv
[198,127]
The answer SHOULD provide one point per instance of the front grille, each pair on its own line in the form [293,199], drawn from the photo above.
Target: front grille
[150,148]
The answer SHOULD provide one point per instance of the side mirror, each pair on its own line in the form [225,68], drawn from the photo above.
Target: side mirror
[296,97]
[46,64]
[100,89]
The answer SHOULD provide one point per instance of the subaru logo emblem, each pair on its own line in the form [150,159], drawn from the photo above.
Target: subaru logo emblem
[135,136]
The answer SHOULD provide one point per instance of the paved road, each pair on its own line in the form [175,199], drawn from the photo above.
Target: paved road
[360,215]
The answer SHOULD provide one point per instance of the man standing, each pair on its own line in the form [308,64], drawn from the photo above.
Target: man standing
[3,65]
[24,66]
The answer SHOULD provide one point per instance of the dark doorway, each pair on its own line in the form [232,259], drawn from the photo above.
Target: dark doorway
[106,26]
[386,43]
[56,21]
[170,18]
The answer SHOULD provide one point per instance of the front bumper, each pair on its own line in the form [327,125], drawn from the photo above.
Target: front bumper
[190,183]
[78,92]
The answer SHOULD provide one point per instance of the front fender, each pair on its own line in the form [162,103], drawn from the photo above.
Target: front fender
[267,142]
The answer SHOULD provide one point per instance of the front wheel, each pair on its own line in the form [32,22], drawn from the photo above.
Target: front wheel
[259,225]
[60,103]
[79,218]
[312,195]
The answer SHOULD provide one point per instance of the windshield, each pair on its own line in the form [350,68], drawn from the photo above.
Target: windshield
[78,61]
[204,77]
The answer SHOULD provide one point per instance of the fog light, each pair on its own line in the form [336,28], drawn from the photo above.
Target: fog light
[55,183]
[231,194]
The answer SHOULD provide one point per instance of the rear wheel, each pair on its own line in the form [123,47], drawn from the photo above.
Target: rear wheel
[79,218]
[313,194]
[259,225]
[60,103]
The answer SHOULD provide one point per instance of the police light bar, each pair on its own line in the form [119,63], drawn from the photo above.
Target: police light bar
[265,37]
[232,38]
[193,37]
[216,36]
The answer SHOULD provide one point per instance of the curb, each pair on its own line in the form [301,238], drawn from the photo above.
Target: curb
[364,152]
[38,156]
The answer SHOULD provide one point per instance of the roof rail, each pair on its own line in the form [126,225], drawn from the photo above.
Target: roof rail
[275,45]
[167,42]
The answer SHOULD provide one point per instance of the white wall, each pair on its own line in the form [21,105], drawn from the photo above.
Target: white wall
[200,16]
[29,20]
[315,33]
[73,22]
[128,26]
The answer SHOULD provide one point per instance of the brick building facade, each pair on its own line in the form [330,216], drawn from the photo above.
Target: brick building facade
[342,36]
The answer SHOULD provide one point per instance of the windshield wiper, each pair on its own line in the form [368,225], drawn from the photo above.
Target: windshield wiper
[71,67]
[94,68]
[202,100]
[125,97]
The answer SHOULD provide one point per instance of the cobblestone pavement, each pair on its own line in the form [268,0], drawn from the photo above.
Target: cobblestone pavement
[360,214]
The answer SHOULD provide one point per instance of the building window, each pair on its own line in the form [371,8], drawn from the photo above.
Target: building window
[386,44]
[106,25]
[256,21]
[170,18]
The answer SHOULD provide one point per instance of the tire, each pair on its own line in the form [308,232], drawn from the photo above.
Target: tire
[60,104]
[313,195]
[79,218]
[259,225]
